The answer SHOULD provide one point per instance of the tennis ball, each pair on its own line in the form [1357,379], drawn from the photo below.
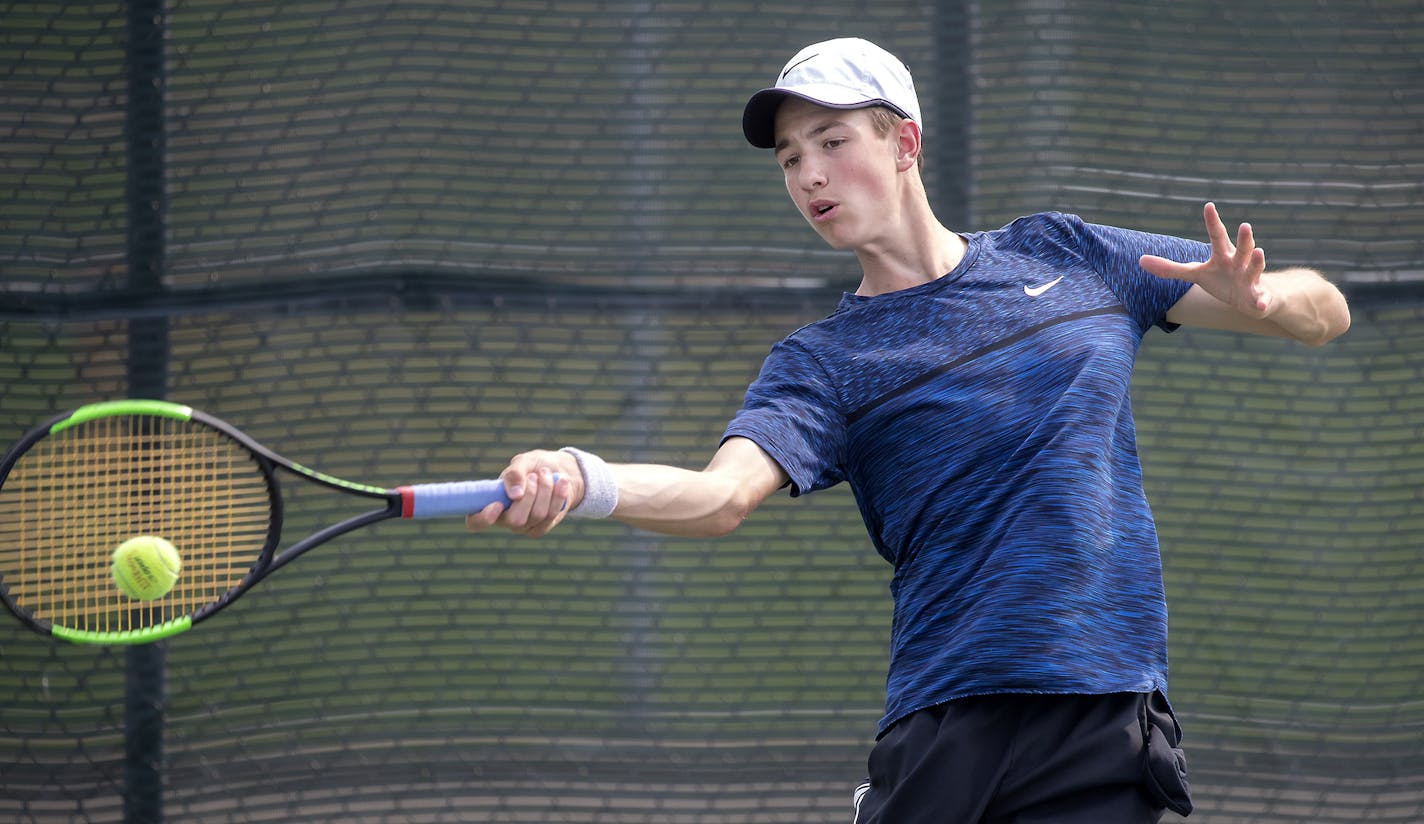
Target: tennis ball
[146,567]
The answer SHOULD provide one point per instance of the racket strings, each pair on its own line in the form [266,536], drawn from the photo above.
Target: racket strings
[79,493]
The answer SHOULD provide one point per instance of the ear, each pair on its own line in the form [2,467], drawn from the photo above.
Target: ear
[907,145]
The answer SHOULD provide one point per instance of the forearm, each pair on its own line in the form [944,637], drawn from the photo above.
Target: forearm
[675,501]
[546,486]
[1303,306]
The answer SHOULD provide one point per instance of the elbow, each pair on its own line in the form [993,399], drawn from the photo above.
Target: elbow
[726,521]
[1342,323]
[1330,327]
[730,515]
[722,527]
[1319,312]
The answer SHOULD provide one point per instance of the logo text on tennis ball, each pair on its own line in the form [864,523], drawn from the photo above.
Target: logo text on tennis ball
[146,567]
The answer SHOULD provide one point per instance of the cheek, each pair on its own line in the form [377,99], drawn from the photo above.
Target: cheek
[791,196]
[867,180]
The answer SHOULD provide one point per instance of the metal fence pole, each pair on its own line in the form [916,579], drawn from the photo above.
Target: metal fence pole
[145,665]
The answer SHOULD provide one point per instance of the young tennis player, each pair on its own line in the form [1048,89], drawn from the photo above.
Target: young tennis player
[973,391]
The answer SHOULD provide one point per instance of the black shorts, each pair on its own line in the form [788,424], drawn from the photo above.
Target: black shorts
[996,759]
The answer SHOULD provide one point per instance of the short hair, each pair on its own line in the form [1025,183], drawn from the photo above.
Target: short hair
[884,120]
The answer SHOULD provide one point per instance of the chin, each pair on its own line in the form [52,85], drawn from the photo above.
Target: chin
[840,244]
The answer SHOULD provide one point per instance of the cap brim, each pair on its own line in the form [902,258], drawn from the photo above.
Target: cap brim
[759,116]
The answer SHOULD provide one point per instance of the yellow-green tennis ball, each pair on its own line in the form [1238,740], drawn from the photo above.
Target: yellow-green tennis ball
[146,567]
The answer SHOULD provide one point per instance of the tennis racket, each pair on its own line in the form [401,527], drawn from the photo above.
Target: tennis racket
[73,489]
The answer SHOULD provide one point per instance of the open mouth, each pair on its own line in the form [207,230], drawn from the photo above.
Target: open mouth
[820,210]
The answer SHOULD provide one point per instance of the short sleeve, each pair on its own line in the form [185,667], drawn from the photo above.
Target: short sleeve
[1114,253]
[792,411]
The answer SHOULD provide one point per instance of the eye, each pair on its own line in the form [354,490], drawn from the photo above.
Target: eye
[789,161]
[835,142]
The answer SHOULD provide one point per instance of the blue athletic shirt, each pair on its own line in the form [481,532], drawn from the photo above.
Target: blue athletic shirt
[984,425]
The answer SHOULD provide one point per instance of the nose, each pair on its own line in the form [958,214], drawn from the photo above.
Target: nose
[813,176]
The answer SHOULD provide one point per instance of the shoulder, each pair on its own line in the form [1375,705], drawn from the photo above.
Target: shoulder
[1040,223]
[851,324]
[1059,238]
[1054,236]
[797,362]
[1036,228]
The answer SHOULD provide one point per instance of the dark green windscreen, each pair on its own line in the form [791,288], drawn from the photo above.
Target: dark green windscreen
[407,240]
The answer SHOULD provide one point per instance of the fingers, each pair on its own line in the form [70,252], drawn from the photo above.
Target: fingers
[1260,298]
[1245,256]
[1232,274]
[1243,252]
[1245,247]
[539,495]
[529,510]
[485,518]
[1165,268]
[1248,263]
[1216,231]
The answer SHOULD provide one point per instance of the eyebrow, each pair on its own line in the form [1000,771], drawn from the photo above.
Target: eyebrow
[824,127]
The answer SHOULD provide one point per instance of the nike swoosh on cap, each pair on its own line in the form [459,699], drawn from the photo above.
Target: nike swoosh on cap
[797,63]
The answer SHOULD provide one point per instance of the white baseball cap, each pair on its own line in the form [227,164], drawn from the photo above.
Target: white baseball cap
[846,73]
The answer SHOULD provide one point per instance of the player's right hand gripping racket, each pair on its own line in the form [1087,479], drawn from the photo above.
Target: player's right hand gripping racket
[76,487]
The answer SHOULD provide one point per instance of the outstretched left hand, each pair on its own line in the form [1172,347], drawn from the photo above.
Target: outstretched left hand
[1232,274]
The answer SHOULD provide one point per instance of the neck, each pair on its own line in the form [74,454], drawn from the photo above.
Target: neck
[920,249]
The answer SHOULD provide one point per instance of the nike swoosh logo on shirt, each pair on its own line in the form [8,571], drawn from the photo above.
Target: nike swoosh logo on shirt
[1035,291]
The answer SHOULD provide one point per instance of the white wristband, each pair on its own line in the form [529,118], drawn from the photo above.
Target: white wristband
[600,491]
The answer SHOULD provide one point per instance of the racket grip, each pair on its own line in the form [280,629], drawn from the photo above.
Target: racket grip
[456,498]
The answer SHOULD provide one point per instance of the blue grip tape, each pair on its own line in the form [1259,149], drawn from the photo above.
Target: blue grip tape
[457,498]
